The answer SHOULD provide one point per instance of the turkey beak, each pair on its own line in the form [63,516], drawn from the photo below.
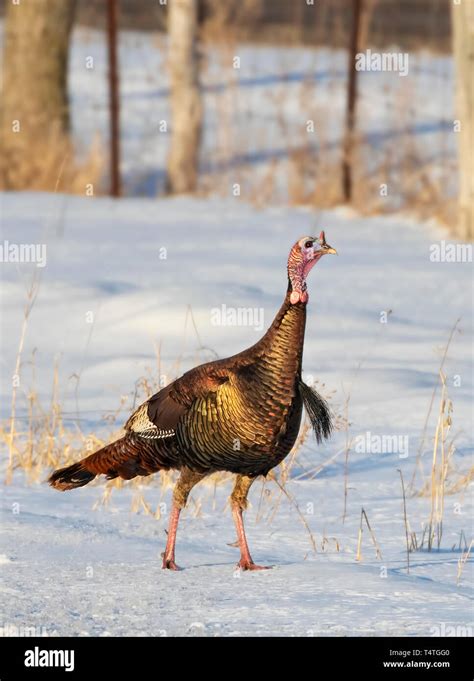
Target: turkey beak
[325,248]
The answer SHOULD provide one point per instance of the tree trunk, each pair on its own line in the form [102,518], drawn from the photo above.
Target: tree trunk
[34,108]
[463,48]
[351,104]
[186,107]
[114,98]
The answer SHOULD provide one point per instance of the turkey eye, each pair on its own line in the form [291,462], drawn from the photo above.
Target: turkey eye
[308,244]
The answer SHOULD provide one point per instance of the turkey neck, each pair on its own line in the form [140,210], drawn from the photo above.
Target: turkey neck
[282,345]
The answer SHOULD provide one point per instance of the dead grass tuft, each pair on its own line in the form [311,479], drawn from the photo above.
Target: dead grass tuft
[52,165]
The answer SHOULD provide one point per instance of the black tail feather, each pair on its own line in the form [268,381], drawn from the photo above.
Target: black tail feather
[317,410]
[71,477]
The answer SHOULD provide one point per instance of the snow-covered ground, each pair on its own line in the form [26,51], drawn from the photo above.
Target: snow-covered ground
[137,265]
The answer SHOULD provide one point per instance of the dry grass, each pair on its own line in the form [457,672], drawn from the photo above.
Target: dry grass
[444,478]
[418,469]
[52,165]
[378,553]
[462,562]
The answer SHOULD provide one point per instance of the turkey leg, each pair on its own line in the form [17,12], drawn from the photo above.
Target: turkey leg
[238,500]
[186,482]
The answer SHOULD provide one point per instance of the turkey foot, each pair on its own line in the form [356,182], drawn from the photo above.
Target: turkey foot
[169,564]
[248,564]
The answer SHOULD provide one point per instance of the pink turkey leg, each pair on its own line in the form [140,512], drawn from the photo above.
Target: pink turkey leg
[168,555]
[245,562]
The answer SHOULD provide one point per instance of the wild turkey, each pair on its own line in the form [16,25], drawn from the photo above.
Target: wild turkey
[240,414]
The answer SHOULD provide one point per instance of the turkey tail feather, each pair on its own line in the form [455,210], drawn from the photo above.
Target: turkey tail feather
[125,458]
[317,410]
[71,477]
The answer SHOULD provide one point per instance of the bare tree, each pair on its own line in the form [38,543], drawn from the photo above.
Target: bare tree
[34,108]
[186,106]
[349,141]
[114,98]
[463,47]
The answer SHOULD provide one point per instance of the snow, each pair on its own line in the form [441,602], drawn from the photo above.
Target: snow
[101,575]
[69,569]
